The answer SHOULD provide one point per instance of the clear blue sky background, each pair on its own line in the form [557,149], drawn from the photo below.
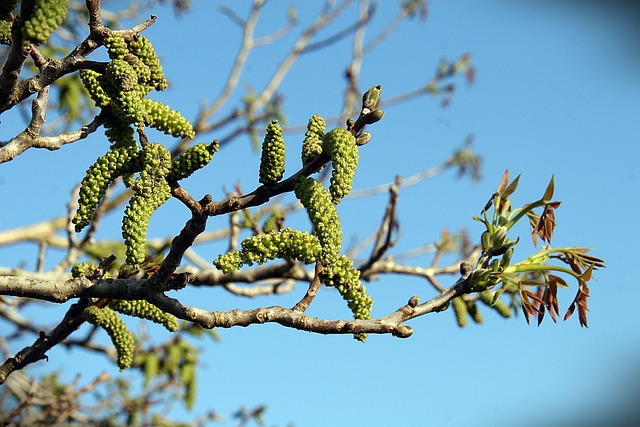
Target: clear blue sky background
[557,92]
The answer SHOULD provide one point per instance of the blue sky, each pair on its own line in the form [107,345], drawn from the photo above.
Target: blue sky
[557,93]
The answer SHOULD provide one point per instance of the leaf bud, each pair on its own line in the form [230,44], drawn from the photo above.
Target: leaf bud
[374,116]
[363,138]
[414,301]
[465,268]
[485,239]
[403,331]
[371,98]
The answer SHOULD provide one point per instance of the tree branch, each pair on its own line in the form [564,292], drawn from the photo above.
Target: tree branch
[26,139]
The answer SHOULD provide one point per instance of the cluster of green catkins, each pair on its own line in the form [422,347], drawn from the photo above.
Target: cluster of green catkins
[339,145]
[151,190]
[463,309]
[145,310]
[273,155]
[43,18]
[133,72]
[122,339]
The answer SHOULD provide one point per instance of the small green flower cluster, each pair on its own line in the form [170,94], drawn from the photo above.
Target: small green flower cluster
[120,336]
[340,145]
[191,160]
[145,310]
[273,155]
[151,190]
[5,32]
[324,217]
[160,116]
[43,19]
[286,244]
[98,177]
[82,269]
[346,279]
[133,72]
[312,143]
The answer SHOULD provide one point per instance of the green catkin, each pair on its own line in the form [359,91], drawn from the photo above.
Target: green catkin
[43,19]
[285,244]
[5,32]
[324,217]
[142,48]
[499,306]
[340,145]
[116,46]
[151,190]
[114,326]
[346,279]
[142,72]
[312,143]
[160,116]
[124,91]
[145,310]
[150,365]
[121,75]
[189,383]
[273,155]
[191,160]
[119,133]
[473,311]
[460,310]
[97,179]
[93,82]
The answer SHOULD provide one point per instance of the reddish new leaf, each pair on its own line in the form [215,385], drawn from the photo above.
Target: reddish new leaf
[540,314]
[503,181]
[570,310]
[534,220]
[511,188]
[550,297]
[583,294]
[548,194]
[545,224]
[580,301]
